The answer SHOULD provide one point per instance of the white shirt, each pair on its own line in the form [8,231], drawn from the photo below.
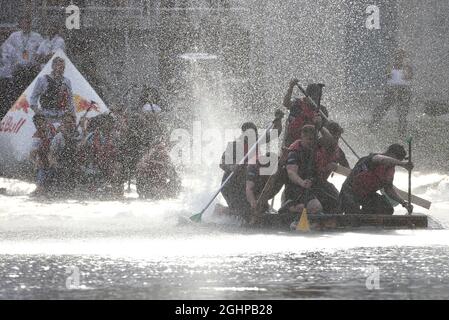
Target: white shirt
[151,107]
[48,46]
[397,78]
[7,52]
[23,48]
[5,61]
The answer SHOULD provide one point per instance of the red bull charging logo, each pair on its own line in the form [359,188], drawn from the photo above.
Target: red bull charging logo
[21,104]
[82,105]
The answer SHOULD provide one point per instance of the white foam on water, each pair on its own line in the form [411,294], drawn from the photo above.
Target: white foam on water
[150,230]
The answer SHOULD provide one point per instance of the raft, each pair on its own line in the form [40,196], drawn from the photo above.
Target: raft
[285,221]
[346,221]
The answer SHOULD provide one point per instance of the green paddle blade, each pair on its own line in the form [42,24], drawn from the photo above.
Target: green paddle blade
[391,201]
[409,139]
[196,217]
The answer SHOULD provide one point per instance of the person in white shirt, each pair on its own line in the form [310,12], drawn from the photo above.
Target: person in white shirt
[52,42]
[397,93]
[6,51]
[6,84]
[24,44]
[19,53]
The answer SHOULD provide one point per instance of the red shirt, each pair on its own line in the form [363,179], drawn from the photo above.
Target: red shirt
[373,180]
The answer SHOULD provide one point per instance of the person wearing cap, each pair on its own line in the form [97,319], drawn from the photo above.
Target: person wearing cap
[372,173]
[234,192]
[302,112]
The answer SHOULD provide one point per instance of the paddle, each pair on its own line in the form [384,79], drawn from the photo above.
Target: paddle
[409,209]
[324,116]
[414,199]
[303,224]
[197,217]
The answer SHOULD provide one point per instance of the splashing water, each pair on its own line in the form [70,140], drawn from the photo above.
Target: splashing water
[139,247]
[136,248]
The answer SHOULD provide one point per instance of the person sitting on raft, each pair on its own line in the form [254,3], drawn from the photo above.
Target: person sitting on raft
[302,111]
[258,173]
[372,173]
[306,164]
[327,155]
[234,191]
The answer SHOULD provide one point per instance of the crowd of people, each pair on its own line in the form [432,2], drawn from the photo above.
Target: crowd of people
[310,153]
[99,154]
[93,155]
[23,55]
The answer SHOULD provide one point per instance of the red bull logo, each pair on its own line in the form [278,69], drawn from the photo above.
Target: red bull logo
[21,104]
[82,105]
[10,125]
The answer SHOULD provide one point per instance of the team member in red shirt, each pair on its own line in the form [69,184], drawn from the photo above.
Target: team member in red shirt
[372,173]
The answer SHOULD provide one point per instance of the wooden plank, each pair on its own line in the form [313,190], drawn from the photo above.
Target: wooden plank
[282,222]
[404,195]
[348,221]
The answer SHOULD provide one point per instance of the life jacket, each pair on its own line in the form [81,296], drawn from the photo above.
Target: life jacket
[56,96]
[367,177]
[304,160]
[300,115]
[44,148]
[322,160]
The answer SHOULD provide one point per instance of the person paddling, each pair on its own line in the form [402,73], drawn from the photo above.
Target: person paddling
[301,169]
[302,112]
[234,191]
[372,173]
